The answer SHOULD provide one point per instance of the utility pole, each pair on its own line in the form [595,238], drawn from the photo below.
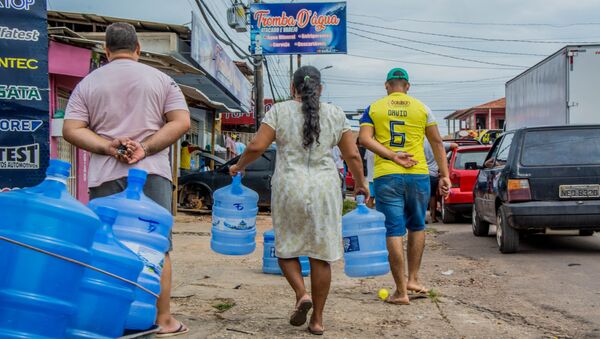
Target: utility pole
[259,105]
[291,75]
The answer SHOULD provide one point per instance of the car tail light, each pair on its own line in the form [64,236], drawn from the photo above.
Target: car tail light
[455,179]
[519,190]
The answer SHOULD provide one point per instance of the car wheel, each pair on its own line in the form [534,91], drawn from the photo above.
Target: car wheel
[448,217]
[586,233]
[481,228]
[506,236]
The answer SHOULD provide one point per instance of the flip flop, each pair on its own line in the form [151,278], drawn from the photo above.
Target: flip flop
[298,317]
[389,301]
[423,290]
[180,330]
[315,332]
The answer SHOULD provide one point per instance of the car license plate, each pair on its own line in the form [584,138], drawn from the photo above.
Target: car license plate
[579,191]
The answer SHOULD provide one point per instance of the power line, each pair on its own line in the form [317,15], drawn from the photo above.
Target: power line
[479,23]
[471,37]
[427,64]
[447,46]
[229,42]
[437,54]
[273,92]
[278,79]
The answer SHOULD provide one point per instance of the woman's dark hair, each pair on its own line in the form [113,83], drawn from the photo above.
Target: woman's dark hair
[307,81]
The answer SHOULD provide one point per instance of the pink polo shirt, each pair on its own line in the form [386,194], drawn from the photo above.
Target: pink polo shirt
[125,99]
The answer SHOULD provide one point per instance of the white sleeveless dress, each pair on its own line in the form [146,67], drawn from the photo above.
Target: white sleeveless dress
[306,198]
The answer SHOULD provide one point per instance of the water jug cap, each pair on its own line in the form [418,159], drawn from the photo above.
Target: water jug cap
[58,168]
[108,215]
[137,175]
[360,199]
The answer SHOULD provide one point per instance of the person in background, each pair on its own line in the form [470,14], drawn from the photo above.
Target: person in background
[434,172]
[187,150]
[239,146]
[230,146]
[306,205]
[370,160]
[126,103]
[394,128]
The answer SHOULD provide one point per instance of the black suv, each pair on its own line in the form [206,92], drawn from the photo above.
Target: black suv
[536,180]
[195,190]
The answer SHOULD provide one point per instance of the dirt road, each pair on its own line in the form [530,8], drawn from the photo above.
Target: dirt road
[551,289]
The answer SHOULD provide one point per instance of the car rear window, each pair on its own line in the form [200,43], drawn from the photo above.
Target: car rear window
[462,158]
[562,147]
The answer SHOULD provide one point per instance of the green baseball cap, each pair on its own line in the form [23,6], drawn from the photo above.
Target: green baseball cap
[397,73]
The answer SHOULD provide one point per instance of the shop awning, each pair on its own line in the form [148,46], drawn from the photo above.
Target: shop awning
[194,94]
[94,20]
[161,61]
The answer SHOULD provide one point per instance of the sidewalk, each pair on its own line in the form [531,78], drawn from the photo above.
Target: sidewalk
[228,297]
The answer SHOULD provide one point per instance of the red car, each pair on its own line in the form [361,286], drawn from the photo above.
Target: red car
[349,181]
[463,163]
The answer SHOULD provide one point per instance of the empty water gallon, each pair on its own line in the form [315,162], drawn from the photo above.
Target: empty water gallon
[365,251]
[104,301]
[234,219]
[143,226]
[38,292]
[270,263]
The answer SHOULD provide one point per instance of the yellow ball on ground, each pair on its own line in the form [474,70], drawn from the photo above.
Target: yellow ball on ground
[383,294]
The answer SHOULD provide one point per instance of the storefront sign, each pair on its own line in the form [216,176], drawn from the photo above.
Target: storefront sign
[248,118]
[24,89]
[239,118]
[214,60]
[298,28]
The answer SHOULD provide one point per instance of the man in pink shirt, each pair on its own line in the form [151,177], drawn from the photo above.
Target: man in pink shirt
[126,103]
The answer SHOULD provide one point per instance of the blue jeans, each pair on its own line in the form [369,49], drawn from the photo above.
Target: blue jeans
[403,199]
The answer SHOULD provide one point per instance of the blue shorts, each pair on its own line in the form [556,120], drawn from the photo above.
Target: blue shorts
[403,199]
[372,189]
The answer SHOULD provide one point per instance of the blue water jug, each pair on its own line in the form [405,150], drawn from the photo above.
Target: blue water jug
[270,262]
[365,250]
[234,219]
[104,301]
[38,292]
[143,226]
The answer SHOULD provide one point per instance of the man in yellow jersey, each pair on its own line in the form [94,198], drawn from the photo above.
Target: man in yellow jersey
[394,128]
[187,150]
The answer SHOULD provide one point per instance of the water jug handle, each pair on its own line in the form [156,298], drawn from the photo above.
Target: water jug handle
[236,186]
[360,199]
[362,208]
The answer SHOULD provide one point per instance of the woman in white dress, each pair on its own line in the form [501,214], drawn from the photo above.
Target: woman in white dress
[306,202]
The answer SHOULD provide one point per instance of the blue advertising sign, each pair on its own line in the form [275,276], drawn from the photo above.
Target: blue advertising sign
[24,91]
[298,28]
[213,59]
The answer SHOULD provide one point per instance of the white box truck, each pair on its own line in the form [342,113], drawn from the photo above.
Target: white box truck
[563,89]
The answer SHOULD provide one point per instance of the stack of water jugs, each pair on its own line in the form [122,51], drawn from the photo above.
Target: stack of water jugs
[234,231]
[46,238]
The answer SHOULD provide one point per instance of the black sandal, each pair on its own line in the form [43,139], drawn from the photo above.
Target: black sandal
[299,316]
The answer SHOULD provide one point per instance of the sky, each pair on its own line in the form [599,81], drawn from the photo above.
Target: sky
[444,82]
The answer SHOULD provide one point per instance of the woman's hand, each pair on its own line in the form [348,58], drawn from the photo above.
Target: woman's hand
[362,189]
[235,169]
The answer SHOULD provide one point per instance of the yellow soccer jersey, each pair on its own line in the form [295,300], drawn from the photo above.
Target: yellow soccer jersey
[399,121]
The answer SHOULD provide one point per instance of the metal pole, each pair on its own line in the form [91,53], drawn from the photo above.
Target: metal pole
[291,75]
[259,105]
[260,91]
[299,57]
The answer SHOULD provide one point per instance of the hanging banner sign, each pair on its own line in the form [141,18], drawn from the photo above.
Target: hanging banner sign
[298,28]
[213,59]
[24,90]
